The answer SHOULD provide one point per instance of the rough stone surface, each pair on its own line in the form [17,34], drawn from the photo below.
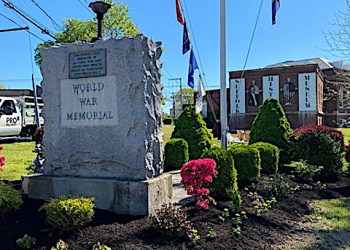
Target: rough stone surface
[125,144]
[122,197]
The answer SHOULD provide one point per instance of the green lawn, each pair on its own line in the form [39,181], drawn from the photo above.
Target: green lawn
[18,157]
[346,133]
[334,213]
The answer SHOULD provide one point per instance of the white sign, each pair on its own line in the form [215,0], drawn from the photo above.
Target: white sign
[307,92]
[237,94]
[89,102]
[271,87]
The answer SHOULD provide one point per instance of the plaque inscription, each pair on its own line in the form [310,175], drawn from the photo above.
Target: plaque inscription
[89,63]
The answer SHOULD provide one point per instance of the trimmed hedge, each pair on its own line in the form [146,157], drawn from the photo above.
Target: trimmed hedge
[175,154]
[269,155]
[271,125]
[227,174]
[247,163]
[317,147]
[191,127]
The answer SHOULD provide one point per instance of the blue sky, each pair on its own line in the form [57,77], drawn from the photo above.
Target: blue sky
[298,34]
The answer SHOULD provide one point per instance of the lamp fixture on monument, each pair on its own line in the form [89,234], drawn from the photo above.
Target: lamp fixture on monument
[100,8]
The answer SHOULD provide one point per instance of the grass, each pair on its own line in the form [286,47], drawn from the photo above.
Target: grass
[346,133]
[18,157]
[168,129]
[334,213]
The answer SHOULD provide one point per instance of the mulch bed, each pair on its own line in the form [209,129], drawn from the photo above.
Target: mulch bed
[126,232]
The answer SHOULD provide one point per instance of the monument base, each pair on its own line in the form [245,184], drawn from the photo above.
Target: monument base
[121,197]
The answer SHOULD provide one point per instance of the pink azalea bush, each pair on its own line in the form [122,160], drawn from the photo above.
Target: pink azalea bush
[2,160]
[194,175]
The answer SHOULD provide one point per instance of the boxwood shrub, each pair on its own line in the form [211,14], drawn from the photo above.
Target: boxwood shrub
[247,163]
[318,146]
[69,213]
[227,175]
[175,154]
[269,155]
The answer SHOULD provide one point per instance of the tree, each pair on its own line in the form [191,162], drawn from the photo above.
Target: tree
[338,41]
[2,86]
[116,24]
[187,95]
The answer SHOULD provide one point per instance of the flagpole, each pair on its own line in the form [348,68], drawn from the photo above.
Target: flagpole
[223,91]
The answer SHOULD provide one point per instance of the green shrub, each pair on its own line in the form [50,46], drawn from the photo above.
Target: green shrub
[69,213]
[227,175]
[318,149]
[274,186]
[305,171]
[191,127]
[10,199]
[167,121]
[271,125]
[247,163]
[269,155]
[171,221]
[175,154]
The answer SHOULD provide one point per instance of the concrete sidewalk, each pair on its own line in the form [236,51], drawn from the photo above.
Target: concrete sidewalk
[180,196]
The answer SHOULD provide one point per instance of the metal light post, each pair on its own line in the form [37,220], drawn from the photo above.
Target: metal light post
[100,8]
[223,91]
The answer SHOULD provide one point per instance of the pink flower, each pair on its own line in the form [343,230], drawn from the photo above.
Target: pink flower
[194,174]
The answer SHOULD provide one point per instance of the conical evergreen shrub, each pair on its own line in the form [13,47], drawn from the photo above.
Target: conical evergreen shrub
[271,125]
[191,127]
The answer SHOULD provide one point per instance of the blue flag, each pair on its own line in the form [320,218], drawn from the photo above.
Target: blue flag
[192,67]
[185,40]
[275,7]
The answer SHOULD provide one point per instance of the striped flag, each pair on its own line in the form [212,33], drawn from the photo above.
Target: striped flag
[200,95]
[275,8]
[179,13]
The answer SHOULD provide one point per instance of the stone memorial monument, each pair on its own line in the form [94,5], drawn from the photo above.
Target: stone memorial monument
[103,127]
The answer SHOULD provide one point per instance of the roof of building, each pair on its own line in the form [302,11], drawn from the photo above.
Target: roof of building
[324,64]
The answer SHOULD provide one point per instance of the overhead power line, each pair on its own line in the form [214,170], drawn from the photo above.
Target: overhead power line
[85,6]
[20,26]
[28,18]
[54,23]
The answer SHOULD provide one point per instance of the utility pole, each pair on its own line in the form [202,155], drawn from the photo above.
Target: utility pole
[223,91]
[180,81]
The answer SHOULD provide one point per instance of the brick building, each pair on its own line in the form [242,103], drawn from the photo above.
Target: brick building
[298,85]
